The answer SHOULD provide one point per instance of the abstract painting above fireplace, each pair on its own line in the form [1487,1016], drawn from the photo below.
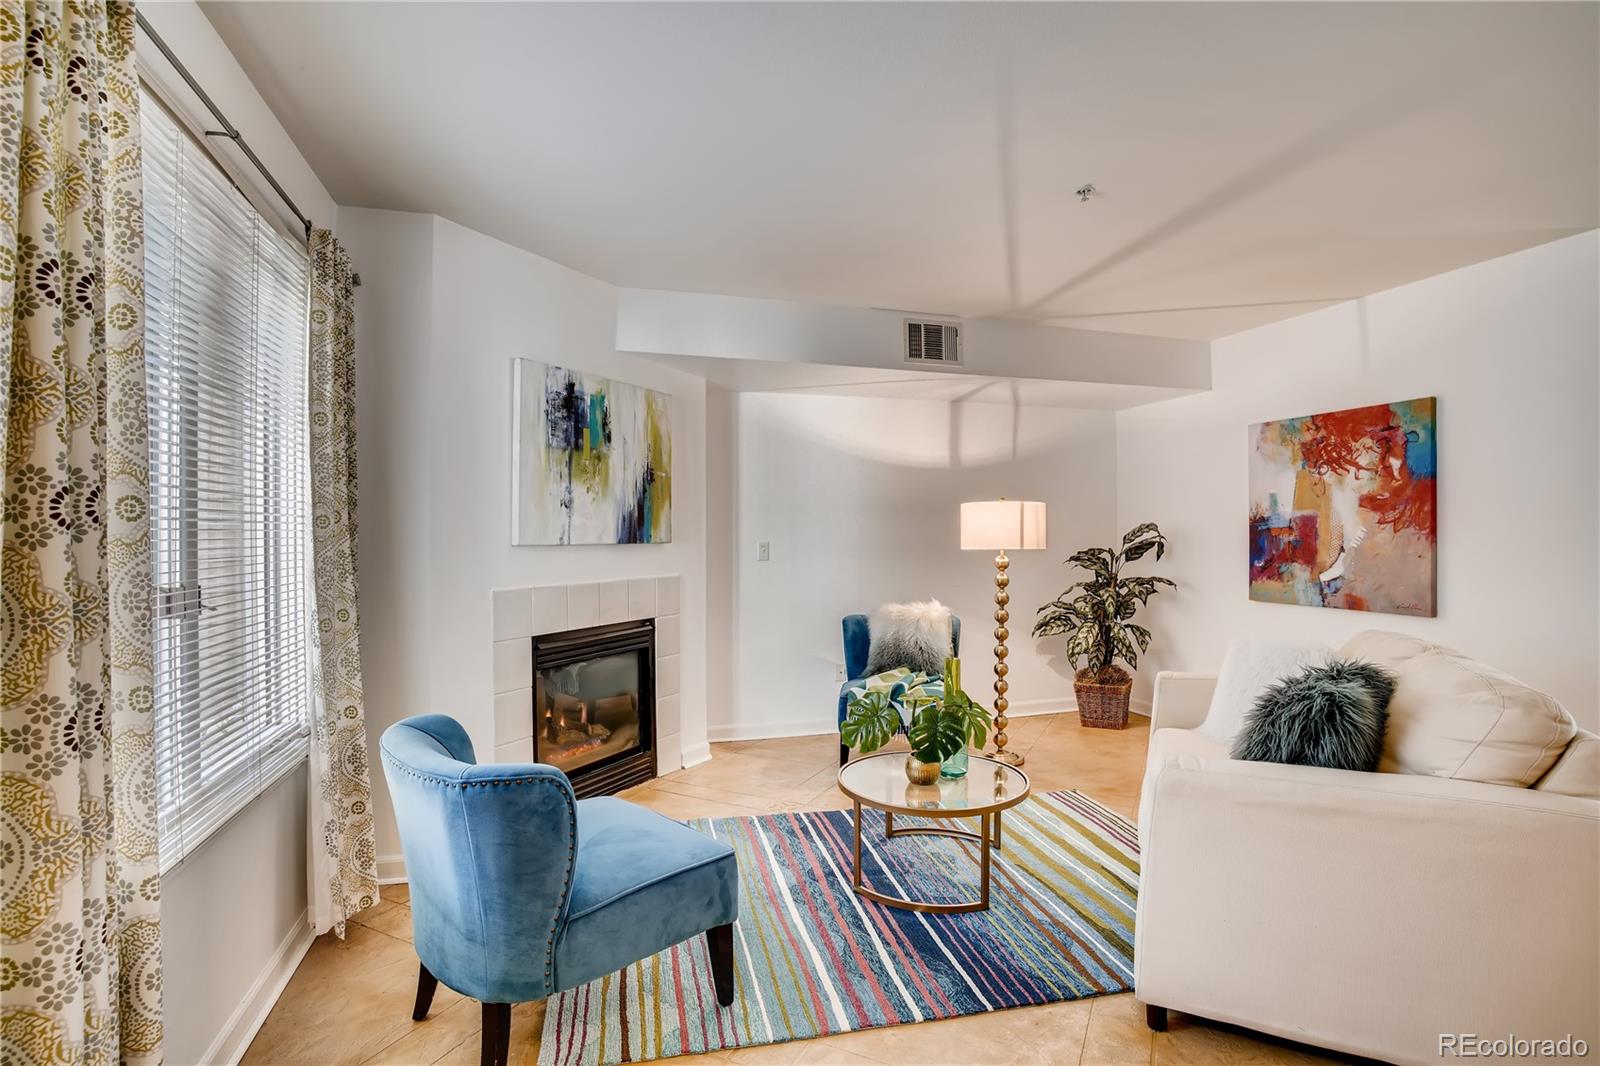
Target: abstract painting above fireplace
[593,705]
[591,459]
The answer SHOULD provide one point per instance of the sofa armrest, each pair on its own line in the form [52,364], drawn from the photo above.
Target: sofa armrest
[1180,700]
[1370,913]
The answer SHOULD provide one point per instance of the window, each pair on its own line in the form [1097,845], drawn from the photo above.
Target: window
[226,300]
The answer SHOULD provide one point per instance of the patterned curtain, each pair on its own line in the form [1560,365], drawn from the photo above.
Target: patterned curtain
[343,865]
[80,976]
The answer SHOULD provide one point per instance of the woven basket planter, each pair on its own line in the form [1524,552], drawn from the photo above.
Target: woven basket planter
[1103,698]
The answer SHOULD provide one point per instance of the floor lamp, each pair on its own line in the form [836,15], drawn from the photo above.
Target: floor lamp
[1002,525]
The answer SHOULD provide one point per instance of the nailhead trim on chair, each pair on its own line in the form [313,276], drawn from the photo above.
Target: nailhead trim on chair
[572,842]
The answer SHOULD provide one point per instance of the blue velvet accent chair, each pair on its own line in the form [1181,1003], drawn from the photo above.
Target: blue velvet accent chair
[519,891]
[857,645]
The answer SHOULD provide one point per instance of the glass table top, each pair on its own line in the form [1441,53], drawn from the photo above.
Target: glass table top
[880,781]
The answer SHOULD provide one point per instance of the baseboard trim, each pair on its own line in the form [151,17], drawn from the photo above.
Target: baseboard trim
[695,754]
[392,870]
[251,1013]
[791,727]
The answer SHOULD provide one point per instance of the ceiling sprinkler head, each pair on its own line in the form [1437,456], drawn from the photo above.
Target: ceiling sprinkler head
[1085,191]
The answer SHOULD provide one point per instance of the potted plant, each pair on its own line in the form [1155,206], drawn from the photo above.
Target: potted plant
[1097,622]
[941,728]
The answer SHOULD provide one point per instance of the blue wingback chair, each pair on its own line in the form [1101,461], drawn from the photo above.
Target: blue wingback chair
[519,891]
[857,645]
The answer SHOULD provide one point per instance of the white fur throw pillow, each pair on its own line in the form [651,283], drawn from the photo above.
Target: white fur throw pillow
[913,635]
[1249,669]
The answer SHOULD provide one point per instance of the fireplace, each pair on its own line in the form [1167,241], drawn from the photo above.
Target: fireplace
[594,705]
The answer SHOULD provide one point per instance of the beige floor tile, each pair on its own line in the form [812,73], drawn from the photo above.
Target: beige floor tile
[348,1000]
[758,780]
[393,919]
[829,799]
[991,1039]
[767,1054]
[400,893]
[684,808]
[818,748]
[1117,1034]
[1056,1030]
[425,1041]
[828,1053]
[746,798]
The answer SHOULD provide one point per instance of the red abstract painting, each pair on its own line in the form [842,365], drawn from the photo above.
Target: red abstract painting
[1343,509]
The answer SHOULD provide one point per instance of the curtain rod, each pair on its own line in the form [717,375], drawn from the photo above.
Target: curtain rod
[228,129]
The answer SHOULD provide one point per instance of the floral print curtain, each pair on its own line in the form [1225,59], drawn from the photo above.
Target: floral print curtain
[343,865]
[80,974]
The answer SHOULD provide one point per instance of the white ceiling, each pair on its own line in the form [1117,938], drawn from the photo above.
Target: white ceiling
[1254,161]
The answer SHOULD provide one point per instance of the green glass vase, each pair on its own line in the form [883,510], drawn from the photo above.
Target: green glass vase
[955,765]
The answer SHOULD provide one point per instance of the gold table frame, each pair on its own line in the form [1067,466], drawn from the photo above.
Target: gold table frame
[987,836]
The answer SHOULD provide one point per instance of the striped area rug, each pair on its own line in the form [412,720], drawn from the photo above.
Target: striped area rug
[814,958]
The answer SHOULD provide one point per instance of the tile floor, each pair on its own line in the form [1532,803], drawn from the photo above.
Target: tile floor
[350,1001]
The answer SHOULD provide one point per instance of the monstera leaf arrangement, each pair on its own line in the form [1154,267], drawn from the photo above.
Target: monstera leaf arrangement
[1096,615]
[939,727]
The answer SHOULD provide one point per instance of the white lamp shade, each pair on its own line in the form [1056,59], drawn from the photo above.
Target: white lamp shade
[1002,525]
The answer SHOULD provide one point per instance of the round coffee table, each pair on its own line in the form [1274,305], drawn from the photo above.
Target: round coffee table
[990,787]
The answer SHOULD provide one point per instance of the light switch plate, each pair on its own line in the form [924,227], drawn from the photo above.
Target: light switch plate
[763,551]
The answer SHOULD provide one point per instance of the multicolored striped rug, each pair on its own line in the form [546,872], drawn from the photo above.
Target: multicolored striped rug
[814,958]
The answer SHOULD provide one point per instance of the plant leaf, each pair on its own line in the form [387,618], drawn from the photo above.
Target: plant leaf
[1095,560]
[1140,550]
[1055,626]
[1138,531]
[870,722]
[1123,647]
[936,734]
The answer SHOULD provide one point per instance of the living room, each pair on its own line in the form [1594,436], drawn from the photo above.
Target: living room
[813,531]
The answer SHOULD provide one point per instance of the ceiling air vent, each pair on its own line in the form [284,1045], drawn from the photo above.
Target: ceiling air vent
[933,342]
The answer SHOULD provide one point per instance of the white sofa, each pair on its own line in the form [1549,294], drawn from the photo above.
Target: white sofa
[1368,913]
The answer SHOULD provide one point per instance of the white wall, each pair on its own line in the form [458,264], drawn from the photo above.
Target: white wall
[859,498]
[441,313]
[1510,347]
[722,554]
[233,914]
[233,926]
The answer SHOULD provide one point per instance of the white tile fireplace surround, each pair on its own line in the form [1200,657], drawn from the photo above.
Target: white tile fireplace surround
[523,613]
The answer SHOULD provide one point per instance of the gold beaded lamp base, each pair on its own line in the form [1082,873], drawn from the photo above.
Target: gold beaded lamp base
[1001,617]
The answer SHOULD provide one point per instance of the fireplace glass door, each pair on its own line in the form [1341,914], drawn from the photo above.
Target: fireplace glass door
[592,699]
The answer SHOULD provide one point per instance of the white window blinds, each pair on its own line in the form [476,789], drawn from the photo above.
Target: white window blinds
[226,302]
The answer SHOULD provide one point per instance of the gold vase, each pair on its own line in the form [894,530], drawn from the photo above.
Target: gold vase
[921,773]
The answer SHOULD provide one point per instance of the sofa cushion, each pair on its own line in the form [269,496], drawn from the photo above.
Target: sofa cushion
[1577,772]
[642,880]
[1248,669]
[1453,716]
